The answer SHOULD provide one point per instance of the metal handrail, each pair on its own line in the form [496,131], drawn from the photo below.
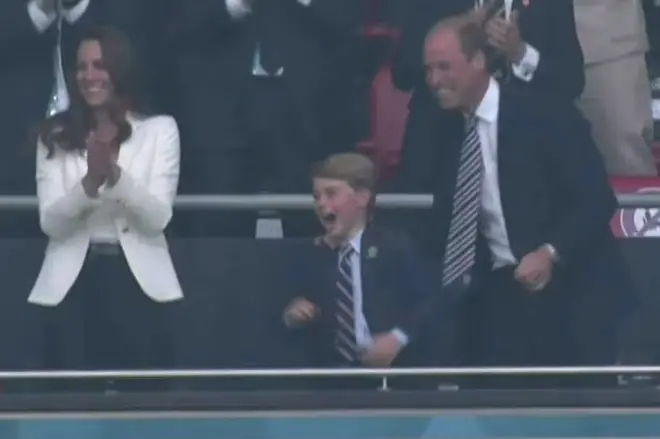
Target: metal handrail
[354,372]
[288,202]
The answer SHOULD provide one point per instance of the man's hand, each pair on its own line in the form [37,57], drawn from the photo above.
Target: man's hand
[299,312]
[504,35]
[535,269]
[384,350]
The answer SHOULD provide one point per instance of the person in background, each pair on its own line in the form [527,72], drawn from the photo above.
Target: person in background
[264,88]
[366,295]
[521,218]
[32,81]
[38,40]
[617,96]
[107,177]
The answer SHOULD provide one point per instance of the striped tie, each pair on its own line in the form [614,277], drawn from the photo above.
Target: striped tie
[345,342]
[461,241]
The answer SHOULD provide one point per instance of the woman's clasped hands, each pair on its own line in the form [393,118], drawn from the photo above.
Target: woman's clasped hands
[101,159]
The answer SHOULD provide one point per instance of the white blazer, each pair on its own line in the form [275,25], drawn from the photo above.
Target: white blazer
[149,160]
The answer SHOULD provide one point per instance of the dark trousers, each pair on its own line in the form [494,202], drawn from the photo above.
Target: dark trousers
[106,322]
[507,325]
[270,149]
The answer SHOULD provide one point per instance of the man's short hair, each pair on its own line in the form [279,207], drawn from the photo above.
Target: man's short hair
[354,168]
[470,32]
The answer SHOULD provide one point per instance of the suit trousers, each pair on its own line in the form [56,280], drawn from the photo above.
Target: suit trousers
[617,102]
[507,325]
[106,322]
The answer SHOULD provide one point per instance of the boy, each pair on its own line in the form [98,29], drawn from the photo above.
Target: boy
[364,295]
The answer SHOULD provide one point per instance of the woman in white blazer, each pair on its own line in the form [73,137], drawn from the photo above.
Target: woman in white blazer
[106,181]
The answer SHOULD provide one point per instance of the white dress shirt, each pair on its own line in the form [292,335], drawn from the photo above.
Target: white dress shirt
[239,9]
[363,336]
[492,222]
[42,21]
[101,222]
[527,66]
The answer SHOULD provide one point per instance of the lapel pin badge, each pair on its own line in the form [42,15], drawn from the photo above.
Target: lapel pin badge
[525,3]
[372,252]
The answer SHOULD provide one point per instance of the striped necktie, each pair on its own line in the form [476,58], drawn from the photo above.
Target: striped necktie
[345,342]
[462,238]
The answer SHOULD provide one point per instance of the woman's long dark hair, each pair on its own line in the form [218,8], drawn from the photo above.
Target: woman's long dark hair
[68,131]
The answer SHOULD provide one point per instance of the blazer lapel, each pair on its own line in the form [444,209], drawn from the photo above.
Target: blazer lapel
[129,148]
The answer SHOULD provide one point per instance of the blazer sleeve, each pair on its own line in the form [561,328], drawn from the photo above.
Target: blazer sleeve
[149,208]
[579,180]
[62,211]
[419,282]
[561,65]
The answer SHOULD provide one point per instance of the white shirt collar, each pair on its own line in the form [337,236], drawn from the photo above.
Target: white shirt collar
[356,241]
[488,109]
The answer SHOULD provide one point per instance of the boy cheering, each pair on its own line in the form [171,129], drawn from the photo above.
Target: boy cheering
[363,293]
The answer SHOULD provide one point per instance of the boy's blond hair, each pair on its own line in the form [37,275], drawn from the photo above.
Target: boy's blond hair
[355,169]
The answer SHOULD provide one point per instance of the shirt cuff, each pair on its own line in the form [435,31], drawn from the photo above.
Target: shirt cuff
[72,15]
[237,8]
[40,19]
[527,66]
[401,336]
[305,2]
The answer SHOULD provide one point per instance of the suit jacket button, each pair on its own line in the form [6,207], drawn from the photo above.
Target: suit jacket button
[467,279]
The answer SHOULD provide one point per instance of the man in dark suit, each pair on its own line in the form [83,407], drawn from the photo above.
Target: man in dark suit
[365,295]
[263,87]
[521,215]
[531,44]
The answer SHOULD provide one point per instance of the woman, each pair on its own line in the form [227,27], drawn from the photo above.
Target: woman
[106,180]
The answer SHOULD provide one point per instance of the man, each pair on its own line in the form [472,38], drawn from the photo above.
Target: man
[263,87]
[521,210]
[617,95]
[531,43]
